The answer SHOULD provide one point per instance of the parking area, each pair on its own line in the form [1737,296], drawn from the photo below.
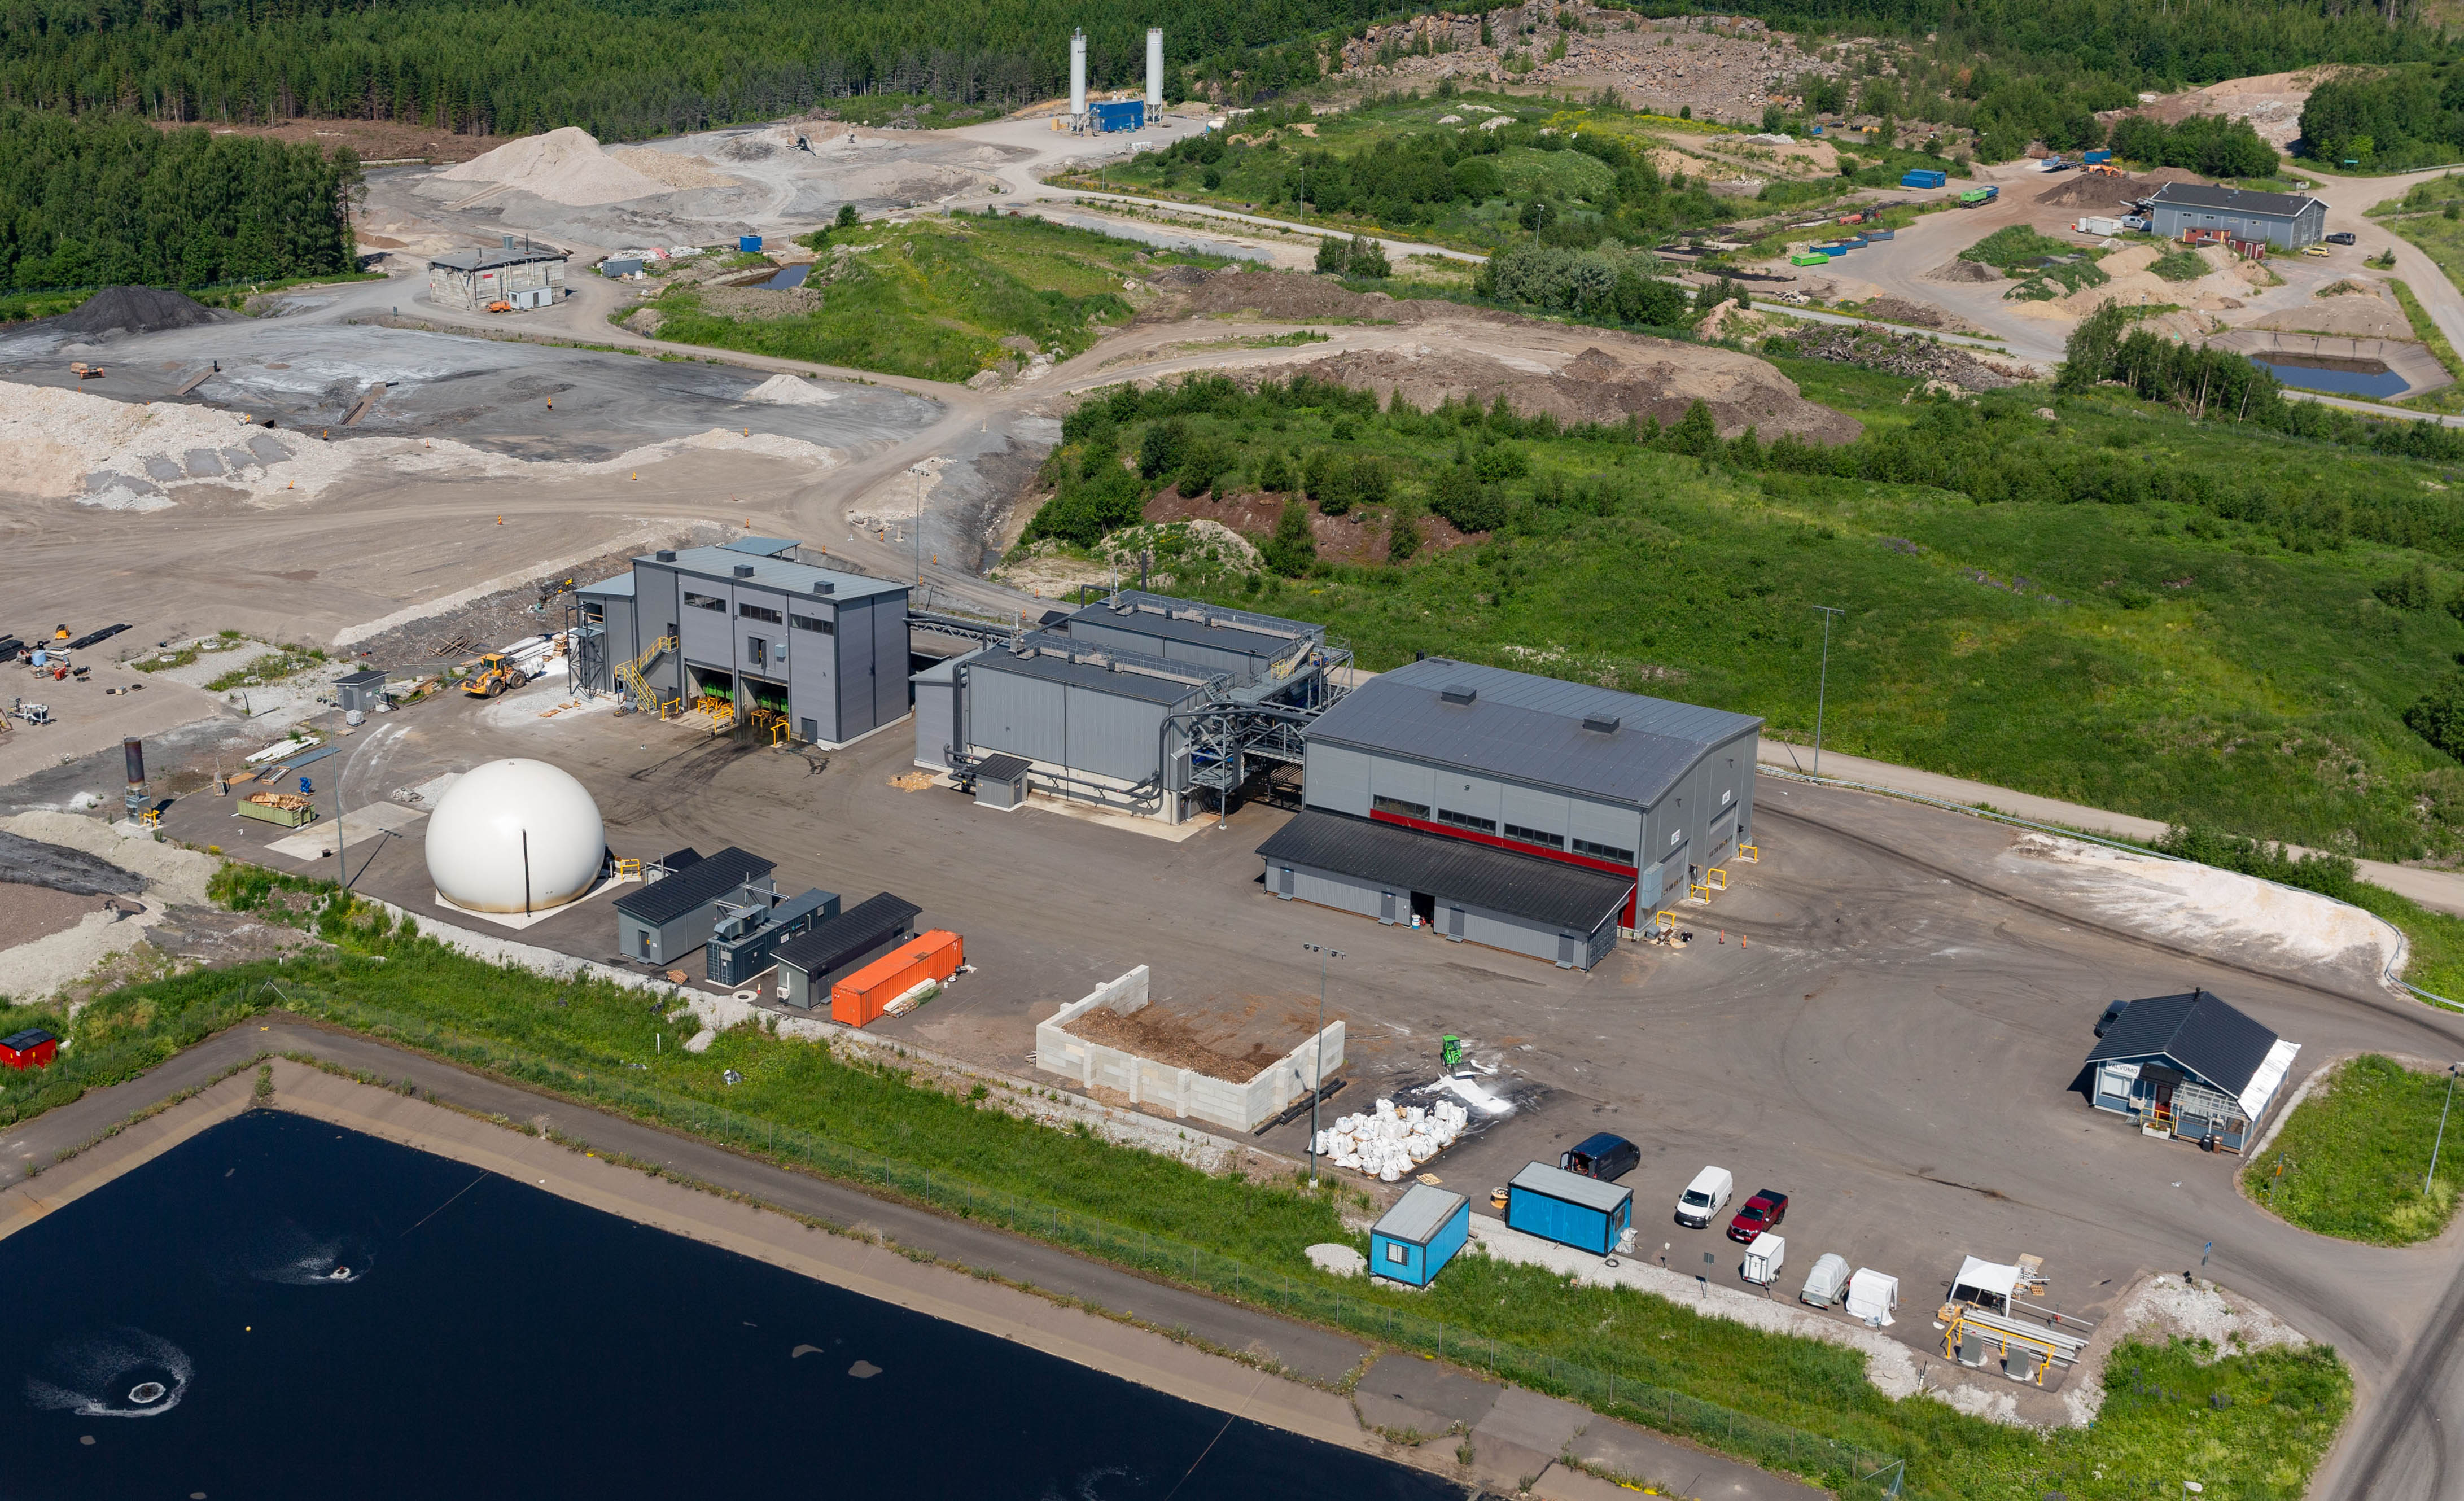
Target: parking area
[1886,1018]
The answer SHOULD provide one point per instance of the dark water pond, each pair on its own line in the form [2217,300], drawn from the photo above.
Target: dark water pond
[2381,383]
[277,1309]
[787,276]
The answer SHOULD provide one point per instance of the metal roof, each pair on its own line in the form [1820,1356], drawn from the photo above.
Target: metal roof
[1556,1182]
[2195,195]
[1419,1214]
[1004,768]
[1151,678]
[2197,1033]
[1197,624]
[488,260]
[774,573]
[763,547]
[619,587]
[32,1037]
[853,933]
[712,876]
[1531,729]
[1564,896]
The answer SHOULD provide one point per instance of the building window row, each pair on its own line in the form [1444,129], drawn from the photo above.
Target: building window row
[705,602]
[1601,851]
[827,628]
[1397,805]
[1486,826]
[760,612]
[1533,837]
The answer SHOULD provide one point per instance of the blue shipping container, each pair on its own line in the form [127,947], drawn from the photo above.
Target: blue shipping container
[1924,177]
[1420,1235]
[2097,157]
[1881,235]
[750,244]
[1123,115]
[1568,1208]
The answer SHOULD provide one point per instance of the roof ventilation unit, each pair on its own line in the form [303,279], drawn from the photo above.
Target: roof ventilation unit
[664,554]
[1605,723]
[825,586]
[743,570]
[1459,694]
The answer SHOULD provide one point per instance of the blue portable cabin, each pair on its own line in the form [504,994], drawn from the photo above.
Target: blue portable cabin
[1568,1208]
[749,244]
[1923,177]
[1420,1235]
[1119,115]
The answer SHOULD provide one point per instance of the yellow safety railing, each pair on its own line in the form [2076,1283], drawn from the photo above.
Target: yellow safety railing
[1697,889]
[630,674]
[1665,921]
[1750,852]
[628,868]
[1716,878]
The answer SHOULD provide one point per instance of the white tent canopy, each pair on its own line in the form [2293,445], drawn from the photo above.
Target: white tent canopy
[2270,1076]
[1872,1295]
[1986,1283]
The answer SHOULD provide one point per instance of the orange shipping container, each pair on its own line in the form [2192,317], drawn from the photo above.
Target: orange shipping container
[858,1000]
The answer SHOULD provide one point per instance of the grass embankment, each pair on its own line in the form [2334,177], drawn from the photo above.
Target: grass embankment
[2044,268]
[2125,608]
[2446,398]
[2353,1162]
[934,299]
[1789,1404]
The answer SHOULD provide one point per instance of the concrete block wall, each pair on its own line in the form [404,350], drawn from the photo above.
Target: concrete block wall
[1189,1093]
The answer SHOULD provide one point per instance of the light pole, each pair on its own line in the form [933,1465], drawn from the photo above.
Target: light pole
[1822,692]
[2452,1070]
[917,470]
[1317,1052]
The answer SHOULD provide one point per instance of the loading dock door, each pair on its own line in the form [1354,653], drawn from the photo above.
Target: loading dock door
[1425,908]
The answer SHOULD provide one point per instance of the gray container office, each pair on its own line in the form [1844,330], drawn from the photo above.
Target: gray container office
[662,923]
[833,950]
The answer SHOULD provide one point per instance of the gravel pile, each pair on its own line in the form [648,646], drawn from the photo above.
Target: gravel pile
[1897,354]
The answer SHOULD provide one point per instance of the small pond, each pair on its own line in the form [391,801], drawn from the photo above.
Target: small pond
[2339,379]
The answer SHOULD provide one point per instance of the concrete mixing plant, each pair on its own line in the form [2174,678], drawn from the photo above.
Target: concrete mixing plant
[1155,69]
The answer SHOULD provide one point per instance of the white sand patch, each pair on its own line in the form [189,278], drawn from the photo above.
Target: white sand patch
[675,168]
[113,446]
[2176,899]
[565,165]
[792,390]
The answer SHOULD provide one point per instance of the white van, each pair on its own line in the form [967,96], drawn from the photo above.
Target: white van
[1704,1197]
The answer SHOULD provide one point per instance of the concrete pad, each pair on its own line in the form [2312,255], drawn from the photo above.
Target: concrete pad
[1524,1433]
[1433,1390]
[317,841]
[1610,1448]
[1557,1483]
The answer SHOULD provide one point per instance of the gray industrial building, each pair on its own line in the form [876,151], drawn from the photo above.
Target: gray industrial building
[1150,704]
[2288,220]
[826,651]
[662,921]
[1524,812]
[522,275]
[811,965]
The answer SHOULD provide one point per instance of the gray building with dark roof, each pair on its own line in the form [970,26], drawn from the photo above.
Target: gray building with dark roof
[661,922]
[520,275]
[824,650]
[2288,220]
[2190,1065]
[1564,786]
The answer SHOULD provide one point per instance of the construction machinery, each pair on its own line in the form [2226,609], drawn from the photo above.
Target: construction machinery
[492,674]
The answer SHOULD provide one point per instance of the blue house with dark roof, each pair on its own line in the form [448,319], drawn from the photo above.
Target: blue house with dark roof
[2190,1065]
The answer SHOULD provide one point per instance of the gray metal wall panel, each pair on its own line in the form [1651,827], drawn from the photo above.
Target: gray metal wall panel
[1337,779]
[1111,735]
[1604,824]
[1532,808]
[1342,893]
[1023,716]
[656,607]
[623,644]
[707,636]
[1466,792]
[772,636]
[1500,932]
[891,649]
[854,667]
[1393,777]
[937,719]
[812,673]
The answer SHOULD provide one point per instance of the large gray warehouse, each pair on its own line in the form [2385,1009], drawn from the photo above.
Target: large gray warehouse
[1523,812]
[1148,704]
[822,650]
[2288,220]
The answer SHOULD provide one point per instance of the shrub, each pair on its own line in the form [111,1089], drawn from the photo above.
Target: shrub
[1274,473]
[1293,549]
[1461,499]
[2438,715]
[1161,449]
[2411,589]
[1502,461]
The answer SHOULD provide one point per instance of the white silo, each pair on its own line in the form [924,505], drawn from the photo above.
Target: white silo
[1077,75]
[1155,69]
[514,835]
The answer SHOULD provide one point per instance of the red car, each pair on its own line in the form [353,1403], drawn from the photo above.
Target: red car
[1762,1212]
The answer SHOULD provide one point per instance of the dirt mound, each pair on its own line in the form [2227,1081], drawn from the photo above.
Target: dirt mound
[1916,315]
[565,165]
[1643,378]
[1956,271]
[1903,354]
[1297,296]
[2097,190]
[133,310]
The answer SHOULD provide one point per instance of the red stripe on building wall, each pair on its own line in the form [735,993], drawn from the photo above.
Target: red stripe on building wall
[1496,842]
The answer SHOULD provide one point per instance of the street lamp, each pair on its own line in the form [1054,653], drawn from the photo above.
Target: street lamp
[1317,1051]
[917,470]
[2440,1140]
[1823,691]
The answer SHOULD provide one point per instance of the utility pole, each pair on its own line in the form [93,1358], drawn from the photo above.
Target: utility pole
[917,470]
[2441,1141]
[1317,1052]
[1823,691]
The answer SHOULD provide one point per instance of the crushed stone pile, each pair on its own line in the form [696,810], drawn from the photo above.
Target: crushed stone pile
[31,862]
[792,390]
[673,168]
[565,165]
[136,310]
[1958,270]
[2097,191]
[1899,354]
[1386,1142]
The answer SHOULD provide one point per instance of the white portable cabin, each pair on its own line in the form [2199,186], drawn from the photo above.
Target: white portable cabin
[1827,1282]
[1762,1258]
[1873,1296]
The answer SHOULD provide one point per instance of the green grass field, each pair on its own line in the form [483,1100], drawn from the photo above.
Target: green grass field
[2353,1161]
[1789,1402]
[936,297]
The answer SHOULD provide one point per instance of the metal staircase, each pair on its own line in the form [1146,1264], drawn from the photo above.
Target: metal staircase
[630,674]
